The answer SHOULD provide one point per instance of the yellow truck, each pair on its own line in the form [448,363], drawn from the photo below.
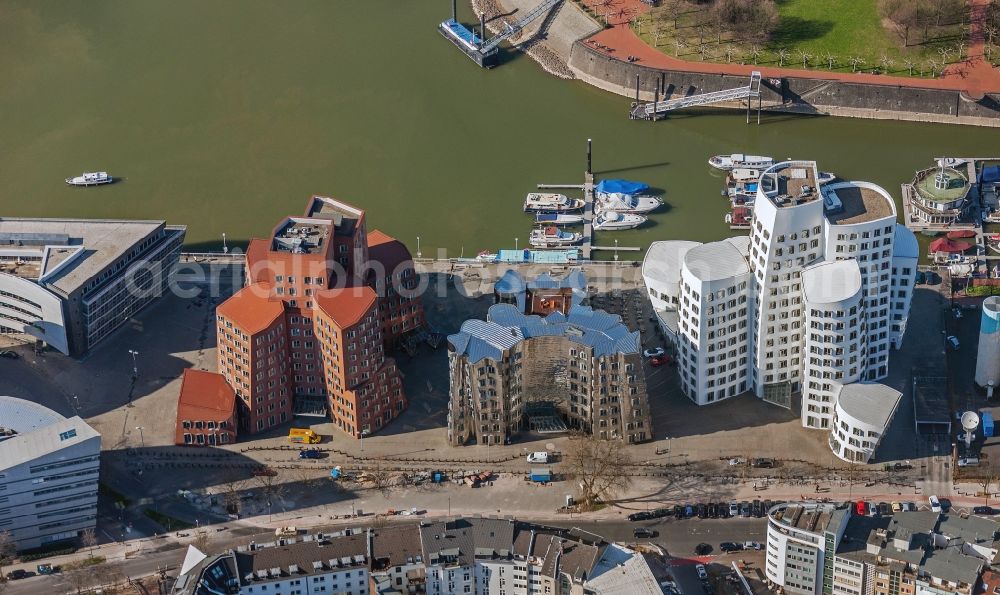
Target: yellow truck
[303,436]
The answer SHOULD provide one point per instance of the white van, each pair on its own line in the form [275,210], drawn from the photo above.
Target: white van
[286,532]
[538,457]
[935,503]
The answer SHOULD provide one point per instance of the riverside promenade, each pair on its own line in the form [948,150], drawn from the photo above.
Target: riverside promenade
[973,76]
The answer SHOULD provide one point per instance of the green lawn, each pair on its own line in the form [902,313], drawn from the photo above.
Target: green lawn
[843,29]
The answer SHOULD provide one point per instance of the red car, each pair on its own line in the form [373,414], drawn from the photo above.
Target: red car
[861,507]
[659,361]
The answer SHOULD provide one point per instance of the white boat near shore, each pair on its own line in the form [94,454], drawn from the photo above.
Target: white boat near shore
[553,237]
[627,203]
[614,221]
[739,160]
[545,202]
[95,178]
[558,219]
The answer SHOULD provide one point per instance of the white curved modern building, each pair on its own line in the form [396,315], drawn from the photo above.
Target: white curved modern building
[834,349]
[988,356]
[801,538]
[49,467]
[862,415]
[661,271]
[810,302]
[712,320]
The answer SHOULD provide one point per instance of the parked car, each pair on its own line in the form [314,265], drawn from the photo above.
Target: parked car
[744,509]
[7,353]
[689,511]
[935,503]
[921,278]
[654,352]
[861,508]
[953,342]
[883,509]
[730,546]
[723,510]
[639,516]
[700,568]
[767,504]
[982,510]
[737,461]
[763,463]
[643,533]
[538,457]
[311,453]
[968,462]
[751,545]
[660,513]
[18,574]
[659,361]
[908,506]
[702,511]
[734,509]
[678,511]
[46,569]
[756,509]
[896,507]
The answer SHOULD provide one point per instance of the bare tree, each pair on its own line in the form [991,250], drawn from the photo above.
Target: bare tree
[754,52]
[932,66]
[674,9]
[703,50]
[855,62]
[830,60]
[909,64]
[886,62]
[7,550]
[730,52]
[678,46]
[987,475]
[783,55]
[600,467]
[88,537]
[945,54]
[201,541]
[78,578]
[233,482]
[991,31]
[271,487]
[903,15]
[805,56]
[380,476]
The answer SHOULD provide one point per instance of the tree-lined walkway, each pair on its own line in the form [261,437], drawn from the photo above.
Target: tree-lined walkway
[974,75]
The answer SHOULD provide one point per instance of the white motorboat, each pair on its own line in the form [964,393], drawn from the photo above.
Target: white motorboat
[743,174]
[627,203]
[950,161]
[553,237]
[558,219]
[825,177]
[545,202]
[613,220]
[95,178]
[739,160]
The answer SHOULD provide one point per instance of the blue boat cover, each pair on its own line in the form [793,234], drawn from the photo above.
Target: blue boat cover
[623,186]
[987,425]
[990,175]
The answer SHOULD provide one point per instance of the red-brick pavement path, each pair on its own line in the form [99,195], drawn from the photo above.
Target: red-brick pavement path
[974,75]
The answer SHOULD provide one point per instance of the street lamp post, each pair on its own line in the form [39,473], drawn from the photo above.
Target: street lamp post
[225,249]
[135,365]
[418,246]
[616,251]
[515,244]
[142,441]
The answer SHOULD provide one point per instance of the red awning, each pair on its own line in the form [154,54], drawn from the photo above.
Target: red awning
[946,245]
[961,233]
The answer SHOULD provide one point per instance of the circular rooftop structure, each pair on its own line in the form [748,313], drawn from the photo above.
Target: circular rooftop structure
[717,261]
[831,282]
[663,260]
[941,184]
[25,416]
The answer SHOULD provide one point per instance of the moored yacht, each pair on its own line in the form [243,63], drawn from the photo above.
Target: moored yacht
[740,160]
[558,219]
[543,201]
[95,178]
[627,203]
[613,220]
[553,237]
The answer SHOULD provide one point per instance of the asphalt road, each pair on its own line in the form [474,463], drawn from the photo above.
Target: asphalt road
[678,538]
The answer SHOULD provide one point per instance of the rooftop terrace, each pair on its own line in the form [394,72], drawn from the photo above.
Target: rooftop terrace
[956,187]
[344,217]
[859,204]
[791,183]
[301,235]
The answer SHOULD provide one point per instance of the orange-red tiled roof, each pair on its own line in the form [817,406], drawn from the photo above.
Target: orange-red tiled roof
[205,396]
[387,250]
[253,308]
[346,306]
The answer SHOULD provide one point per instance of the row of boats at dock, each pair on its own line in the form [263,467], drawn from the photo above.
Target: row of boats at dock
[742,177]
[618,205]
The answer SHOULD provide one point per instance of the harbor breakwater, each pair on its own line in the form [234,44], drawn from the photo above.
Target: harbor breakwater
[795,95]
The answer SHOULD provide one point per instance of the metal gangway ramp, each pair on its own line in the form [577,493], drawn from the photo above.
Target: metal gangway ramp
[494,42]
[655,109]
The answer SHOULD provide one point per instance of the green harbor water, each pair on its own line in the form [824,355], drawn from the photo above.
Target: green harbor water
[225,115]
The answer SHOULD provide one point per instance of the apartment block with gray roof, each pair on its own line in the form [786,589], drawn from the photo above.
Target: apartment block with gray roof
[71,282]
[515,372]
[49,467]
